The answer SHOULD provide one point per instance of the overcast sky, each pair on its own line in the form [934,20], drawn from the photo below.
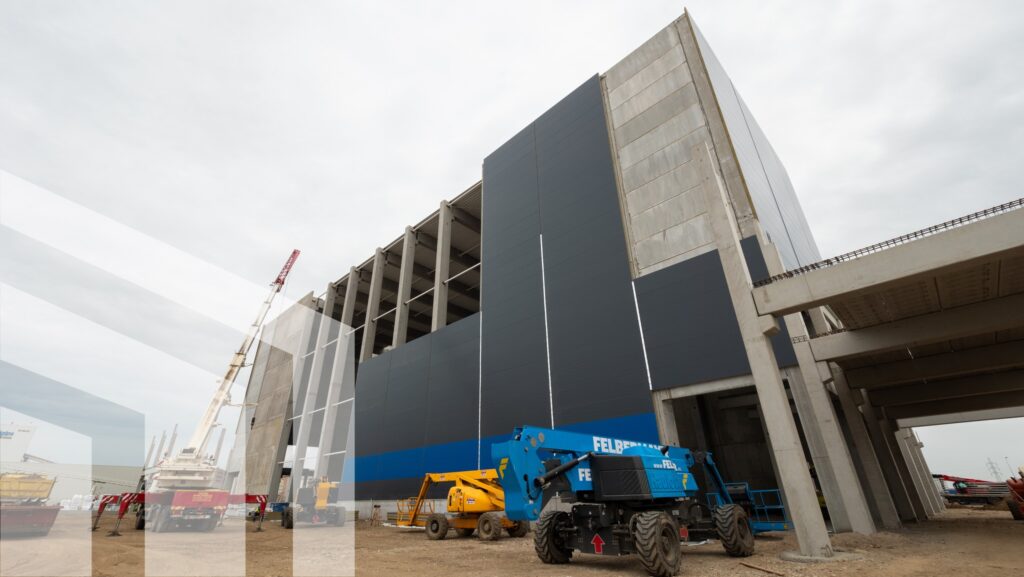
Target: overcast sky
[236,131]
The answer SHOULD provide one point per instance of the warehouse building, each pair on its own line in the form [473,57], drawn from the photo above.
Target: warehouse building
[597,279]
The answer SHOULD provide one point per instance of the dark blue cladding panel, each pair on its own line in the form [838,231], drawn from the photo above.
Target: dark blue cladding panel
[514,366]
[597,363]
[689,324]
[419,395]
[556,177]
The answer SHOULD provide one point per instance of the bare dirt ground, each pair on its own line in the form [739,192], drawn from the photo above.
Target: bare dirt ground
[963,542]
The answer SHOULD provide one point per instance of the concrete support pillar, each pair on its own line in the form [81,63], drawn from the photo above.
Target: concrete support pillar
[442,266]
[348,309]
[794,476]
[373,306]
[891,436]
[920,483]
[404,287]
[924,479]
[933,492]
[877,489]
[897,487]
[665,416]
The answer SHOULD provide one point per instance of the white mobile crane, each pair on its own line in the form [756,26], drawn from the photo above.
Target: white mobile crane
[182,490]
[193,468]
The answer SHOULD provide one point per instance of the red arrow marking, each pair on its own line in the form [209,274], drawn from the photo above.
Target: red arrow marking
[598,544]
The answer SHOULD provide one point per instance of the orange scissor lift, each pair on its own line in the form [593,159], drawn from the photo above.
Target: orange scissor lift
[476,503]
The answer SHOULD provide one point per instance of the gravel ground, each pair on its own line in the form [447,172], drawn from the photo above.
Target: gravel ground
[963,542]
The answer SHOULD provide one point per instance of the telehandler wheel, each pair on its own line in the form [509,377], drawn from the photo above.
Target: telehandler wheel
[288,518]
[734,530]
[339,516]
[656,537]
[548,539]
[437,527]
[140,520]
[488,527]
[519,529]
[468,532]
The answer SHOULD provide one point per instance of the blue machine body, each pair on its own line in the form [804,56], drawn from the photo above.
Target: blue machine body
[524,466]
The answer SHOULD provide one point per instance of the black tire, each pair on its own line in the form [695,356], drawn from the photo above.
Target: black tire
[656,537]
[437,526]
[288,518]
[488,527]
[339,516]
[734,530]
[468,532]
[548,540]
[518,529]
[140,521]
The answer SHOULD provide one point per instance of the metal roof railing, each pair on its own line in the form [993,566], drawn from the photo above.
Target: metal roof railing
[949,224]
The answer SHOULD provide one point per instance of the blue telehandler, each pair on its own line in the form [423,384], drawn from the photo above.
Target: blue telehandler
[627,497]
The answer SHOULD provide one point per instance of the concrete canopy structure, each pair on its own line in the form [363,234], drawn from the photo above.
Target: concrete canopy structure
[599,278]
[921,330]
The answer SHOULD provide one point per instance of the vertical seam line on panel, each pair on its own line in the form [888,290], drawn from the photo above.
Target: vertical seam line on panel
[547,343]
[480,394]
[643,343]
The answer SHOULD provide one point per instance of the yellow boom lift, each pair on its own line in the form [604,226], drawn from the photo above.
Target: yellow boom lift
[476,502]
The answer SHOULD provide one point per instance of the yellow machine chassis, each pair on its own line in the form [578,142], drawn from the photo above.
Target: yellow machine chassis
[413,511]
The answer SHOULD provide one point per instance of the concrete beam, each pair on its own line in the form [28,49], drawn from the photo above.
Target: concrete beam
[939,253]
[466,219]
[986,384]
[372,306]
[1000,356]
[964,417]
[441,269]
[966,404]
[983,317]
[783,439]
[405,273]
[430,243]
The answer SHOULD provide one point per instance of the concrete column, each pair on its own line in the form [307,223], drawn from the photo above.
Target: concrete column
[665,416]
[891,436]
[934,493]
[442,266]
[877,489]
[348,309]
[916,460]
[373,306]
[903,439]
[848,508]
[895,482]
[808,523]
[404,287]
